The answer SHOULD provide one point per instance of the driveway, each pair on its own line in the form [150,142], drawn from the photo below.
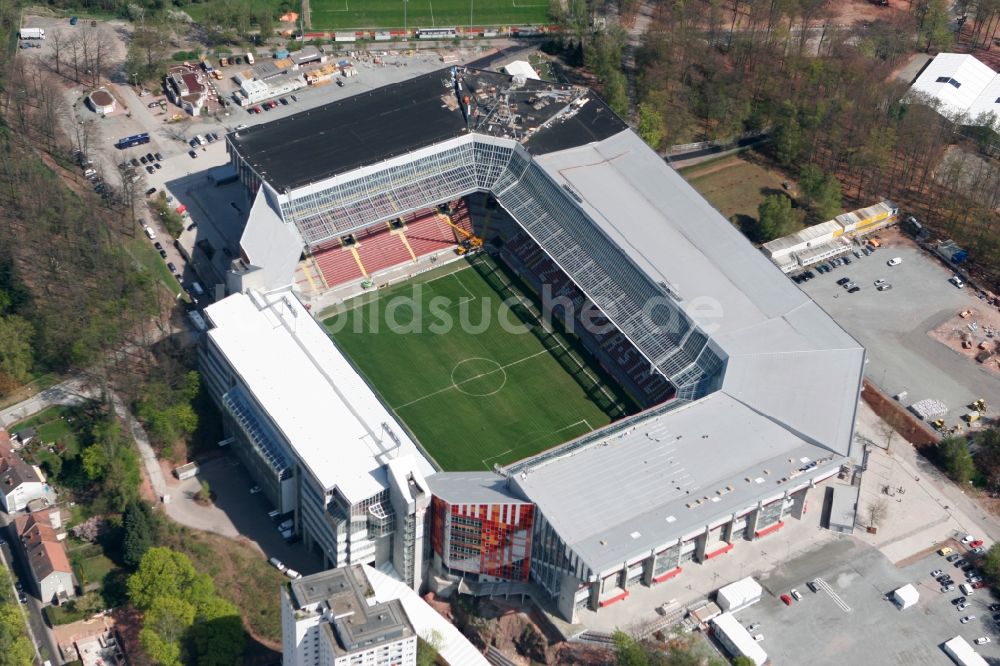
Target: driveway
[235,512]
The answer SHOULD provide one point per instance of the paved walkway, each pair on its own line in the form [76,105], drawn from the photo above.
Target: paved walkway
[76,391]
[929,510]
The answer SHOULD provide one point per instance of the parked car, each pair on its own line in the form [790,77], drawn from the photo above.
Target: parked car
[844,280]
[962,606]
[795,594]
[884,287]
[294,98]
[150,233]
[134,162]
[953,557]
[982,640]
[150,191]
[150,169]
[254,490]
[758,637]
[172,266]
[143,160]
[150,158]
[979,550]
[786,599]
[960,562]
[895,261]
[967,619]
[754,627]
[979,584]
[936,573]
[947,588]
[159,157]
[812,585]
[959,600]
[292,573]
[193,154]
[976,544]
[853,290]
[284,102]
[278,564]
[968,538]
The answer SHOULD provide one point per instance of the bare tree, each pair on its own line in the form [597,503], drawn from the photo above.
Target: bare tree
[58,43]
[877,511]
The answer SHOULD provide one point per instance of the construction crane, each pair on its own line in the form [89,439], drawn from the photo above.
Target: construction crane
[470,242]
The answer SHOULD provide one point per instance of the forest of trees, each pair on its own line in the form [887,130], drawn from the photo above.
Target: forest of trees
[714,69]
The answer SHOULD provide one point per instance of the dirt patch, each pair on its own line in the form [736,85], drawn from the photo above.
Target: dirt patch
[973,334]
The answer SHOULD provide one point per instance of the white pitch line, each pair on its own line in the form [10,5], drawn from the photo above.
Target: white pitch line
[500,368]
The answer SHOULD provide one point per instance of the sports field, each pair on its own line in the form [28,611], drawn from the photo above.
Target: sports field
[475,384]
[386,14]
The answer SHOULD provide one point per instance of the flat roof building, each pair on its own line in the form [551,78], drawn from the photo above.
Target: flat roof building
[736,639]
[319,442]
[333,619]
[961,88]
[750,430]
[962,653]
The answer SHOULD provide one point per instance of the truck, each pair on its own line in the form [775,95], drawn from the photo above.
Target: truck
[249,58]
[31,33]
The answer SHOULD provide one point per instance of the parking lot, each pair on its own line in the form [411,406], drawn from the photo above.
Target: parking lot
[893,325]
[855,624]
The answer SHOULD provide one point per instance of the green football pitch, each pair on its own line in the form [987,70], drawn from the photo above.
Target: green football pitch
[386,14]
[479,383]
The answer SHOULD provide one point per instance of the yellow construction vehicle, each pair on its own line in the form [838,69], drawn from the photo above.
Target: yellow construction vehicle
[469,243]
[938,424]
[979,405]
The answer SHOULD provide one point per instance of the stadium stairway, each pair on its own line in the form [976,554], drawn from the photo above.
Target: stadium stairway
[337,265]
[380,249]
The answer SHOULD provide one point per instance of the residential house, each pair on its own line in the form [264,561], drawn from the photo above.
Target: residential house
[41,537]
[19,482]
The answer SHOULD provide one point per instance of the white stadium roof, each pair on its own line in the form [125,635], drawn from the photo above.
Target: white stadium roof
[770,413]
[961,85]
[336,425]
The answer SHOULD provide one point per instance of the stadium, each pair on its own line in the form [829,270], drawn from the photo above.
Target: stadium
[668,392]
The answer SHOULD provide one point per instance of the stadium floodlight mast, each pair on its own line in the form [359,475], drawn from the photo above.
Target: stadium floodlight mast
[405,37]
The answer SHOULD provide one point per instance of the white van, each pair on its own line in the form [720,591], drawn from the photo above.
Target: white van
[967,589]
[292,573]
[277,564]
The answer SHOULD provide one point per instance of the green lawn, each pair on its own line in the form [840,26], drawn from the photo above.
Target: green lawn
[52,427]
[479,394]
[733,185]
[373,14]
[146,257]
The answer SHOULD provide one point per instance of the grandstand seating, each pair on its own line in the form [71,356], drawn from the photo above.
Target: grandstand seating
[379,247]
[337,265]
[628,364]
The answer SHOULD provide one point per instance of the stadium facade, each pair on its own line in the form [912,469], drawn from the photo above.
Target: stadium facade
[749,390]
